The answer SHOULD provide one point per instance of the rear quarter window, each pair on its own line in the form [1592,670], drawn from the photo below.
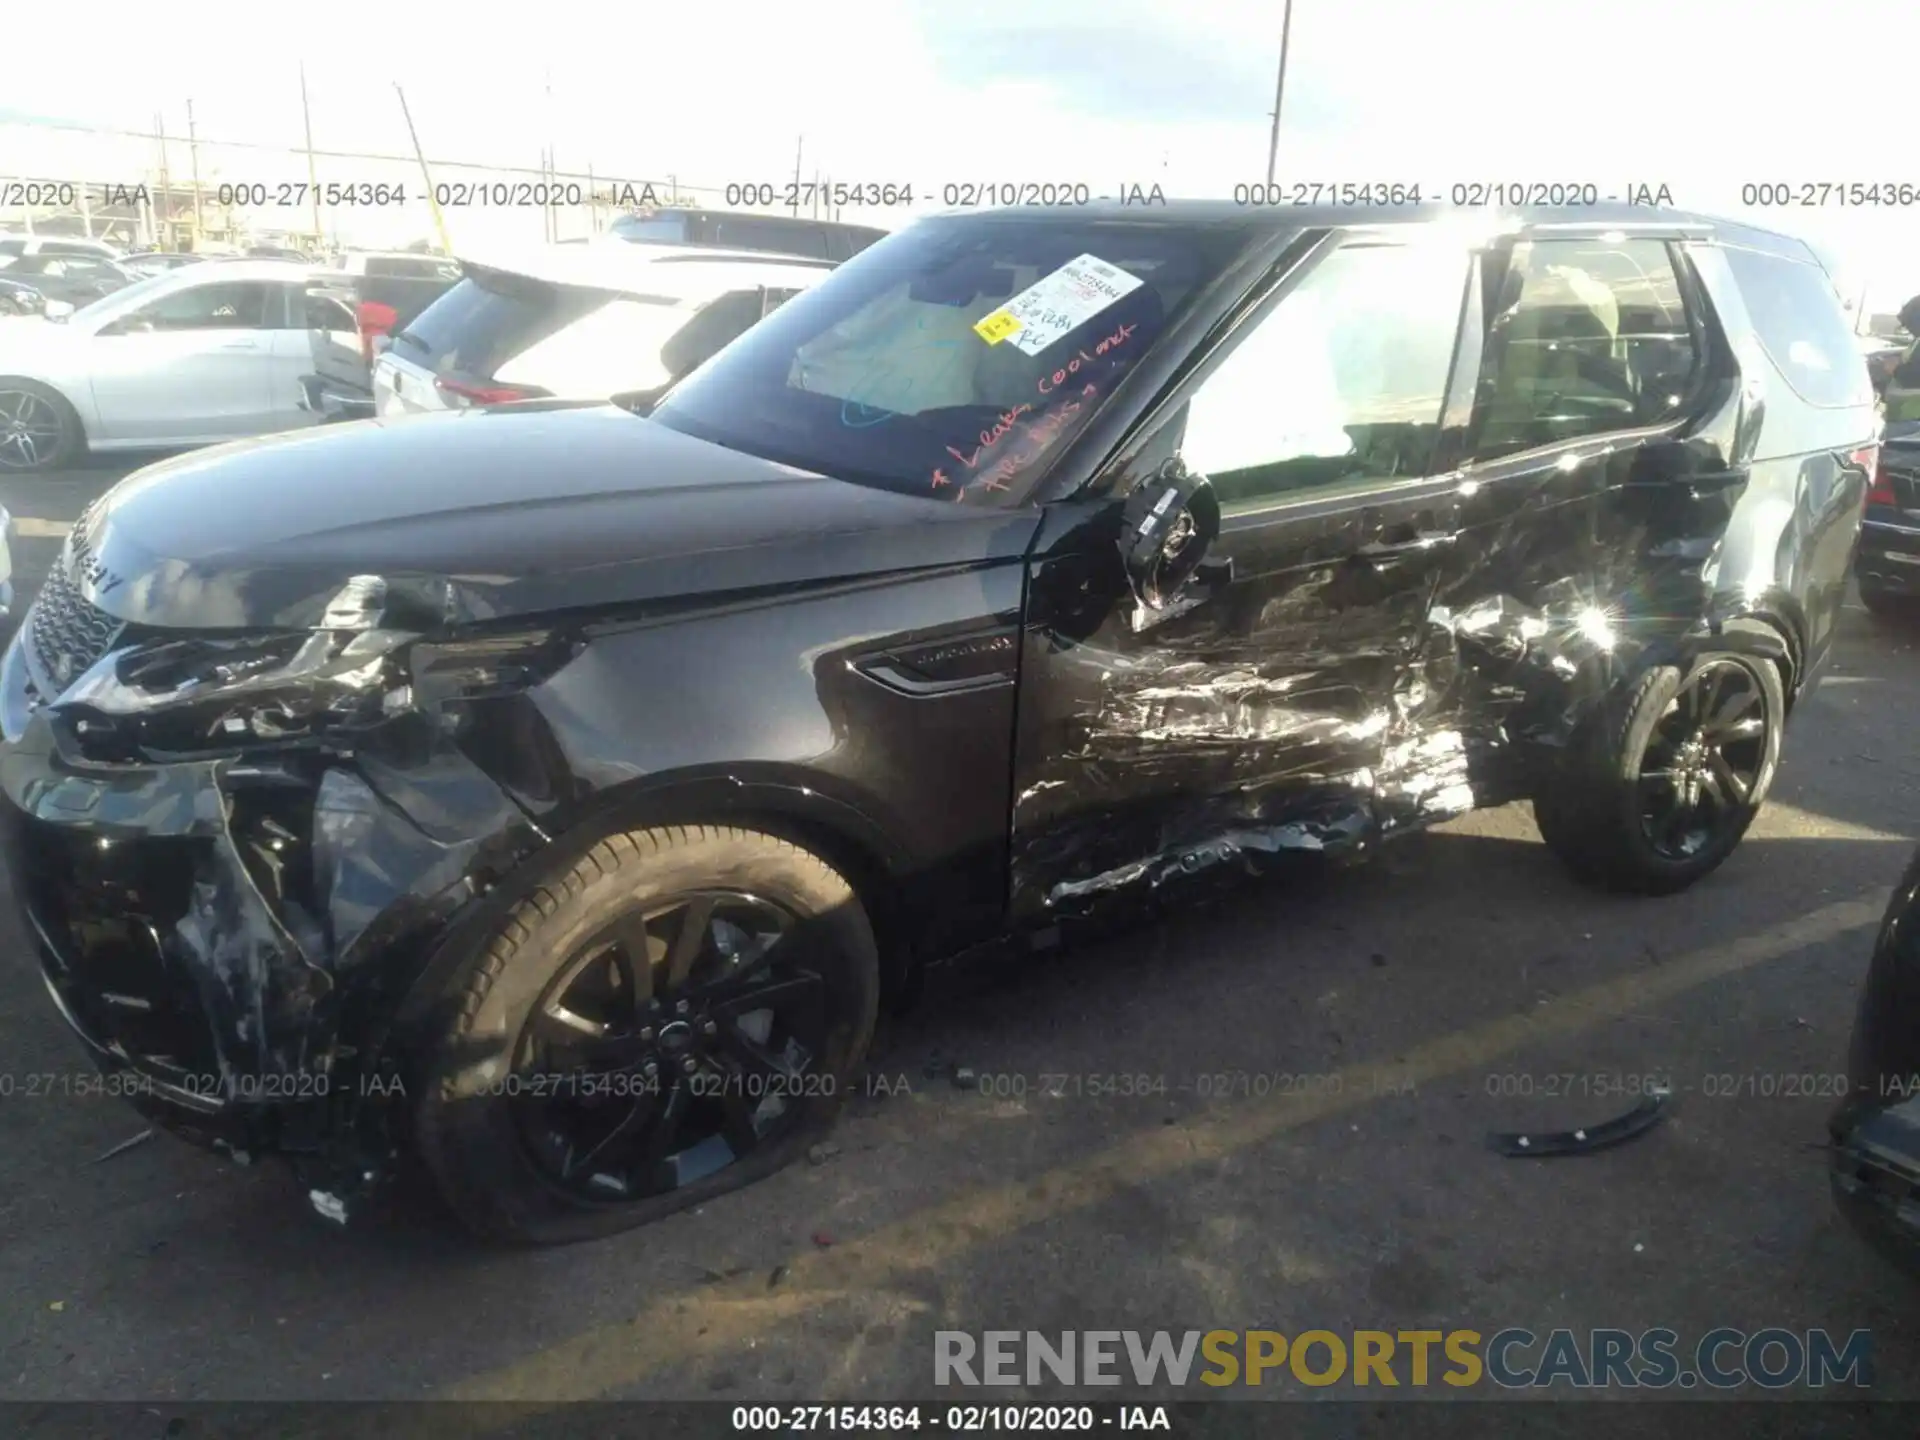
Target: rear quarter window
[1803,328]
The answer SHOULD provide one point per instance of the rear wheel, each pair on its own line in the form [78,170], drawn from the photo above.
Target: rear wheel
[1662,785]
[678,1015]
[39,430]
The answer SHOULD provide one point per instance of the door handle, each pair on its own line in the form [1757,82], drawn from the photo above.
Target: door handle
[1416,543]
[240,345]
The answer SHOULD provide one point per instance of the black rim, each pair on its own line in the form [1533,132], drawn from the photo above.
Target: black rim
[676,1041]
[1703,761]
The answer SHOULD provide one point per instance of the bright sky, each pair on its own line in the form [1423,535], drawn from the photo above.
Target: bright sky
[1703,96]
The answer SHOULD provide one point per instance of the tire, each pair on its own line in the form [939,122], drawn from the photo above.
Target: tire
[39,430]
[1885,604]
[503,1143]
[1610,816]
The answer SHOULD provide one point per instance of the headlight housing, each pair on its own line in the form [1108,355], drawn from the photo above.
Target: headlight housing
[178,698]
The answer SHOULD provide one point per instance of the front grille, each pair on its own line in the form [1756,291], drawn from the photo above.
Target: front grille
[66,632]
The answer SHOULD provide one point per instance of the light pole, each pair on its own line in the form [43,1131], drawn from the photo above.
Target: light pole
[1279,90]
[313,174]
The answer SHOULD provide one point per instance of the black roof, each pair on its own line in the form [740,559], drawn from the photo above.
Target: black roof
[1606,215]
[714,213]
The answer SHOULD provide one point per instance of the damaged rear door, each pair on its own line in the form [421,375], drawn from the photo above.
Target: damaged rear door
[1253,714]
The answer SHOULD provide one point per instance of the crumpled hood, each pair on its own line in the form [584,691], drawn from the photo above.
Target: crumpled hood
[491,514]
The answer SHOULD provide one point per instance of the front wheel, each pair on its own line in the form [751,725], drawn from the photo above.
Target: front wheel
[38,428]
[679,1014]
[1664,781]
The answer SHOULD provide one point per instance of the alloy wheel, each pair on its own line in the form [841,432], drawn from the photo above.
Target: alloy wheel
[1703,761]
[677,1040]
[30,430]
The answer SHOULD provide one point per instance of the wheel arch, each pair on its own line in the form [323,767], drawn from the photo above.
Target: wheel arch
[792,804]
[66,394]
[1772,630]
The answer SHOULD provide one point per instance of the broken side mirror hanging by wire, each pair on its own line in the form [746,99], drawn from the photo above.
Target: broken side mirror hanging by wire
[1167,526]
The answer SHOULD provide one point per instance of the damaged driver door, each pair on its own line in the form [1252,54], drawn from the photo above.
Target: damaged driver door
[1238,702]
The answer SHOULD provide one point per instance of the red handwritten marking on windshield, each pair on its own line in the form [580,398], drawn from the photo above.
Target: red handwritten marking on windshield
[1072,367]
[1039,433]
[1039,437]
[990,438]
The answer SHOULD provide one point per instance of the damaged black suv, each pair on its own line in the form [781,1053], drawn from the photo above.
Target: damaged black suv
[554,792]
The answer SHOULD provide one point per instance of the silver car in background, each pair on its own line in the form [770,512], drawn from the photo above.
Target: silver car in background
[194,356]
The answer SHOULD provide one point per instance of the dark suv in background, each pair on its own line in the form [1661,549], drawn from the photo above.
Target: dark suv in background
[556,790]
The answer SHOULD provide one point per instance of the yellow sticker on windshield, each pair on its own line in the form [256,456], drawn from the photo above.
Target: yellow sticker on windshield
[996,327]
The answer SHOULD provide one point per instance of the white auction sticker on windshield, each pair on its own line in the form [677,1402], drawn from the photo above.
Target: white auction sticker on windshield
[1056,305]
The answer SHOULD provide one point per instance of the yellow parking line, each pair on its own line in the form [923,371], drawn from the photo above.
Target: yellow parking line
[28,527]
[683,1327]
[1778,820]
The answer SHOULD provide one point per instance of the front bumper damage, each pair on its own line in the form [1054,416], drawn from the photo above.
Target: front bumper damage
[1875,1177]
[1874,1133]
[232,937]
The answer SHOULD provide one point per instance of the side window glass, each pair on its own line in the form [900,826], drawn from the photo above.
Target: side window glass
[1802,325]
[717,326]
[1340,386]
[233,306]
[1588,337]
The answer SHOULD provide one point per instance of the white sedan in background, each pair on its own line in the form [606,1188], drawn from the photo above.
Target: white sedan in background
[581,322]
[192,357]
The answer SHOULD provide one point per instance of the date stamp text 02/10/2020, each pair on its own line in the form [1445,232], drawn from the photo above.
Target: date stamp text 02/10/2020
[797,196]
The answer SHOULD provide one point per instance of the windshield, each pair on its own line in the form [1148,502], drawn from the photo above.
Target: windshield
[956,358]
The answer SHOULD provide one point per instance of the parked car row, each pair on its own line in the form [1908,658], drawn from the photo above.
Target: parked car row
[68,281]
[217,352]
[14,246]
[196,353]
[553,790]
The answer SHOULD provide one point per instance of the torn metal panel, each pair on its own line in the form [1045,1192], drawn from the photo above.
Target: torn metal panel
[232,956]
[1327,697]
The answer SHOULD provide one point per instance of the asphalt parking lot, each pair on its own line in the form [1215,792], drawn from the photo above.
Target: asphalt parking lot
[1448,989]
